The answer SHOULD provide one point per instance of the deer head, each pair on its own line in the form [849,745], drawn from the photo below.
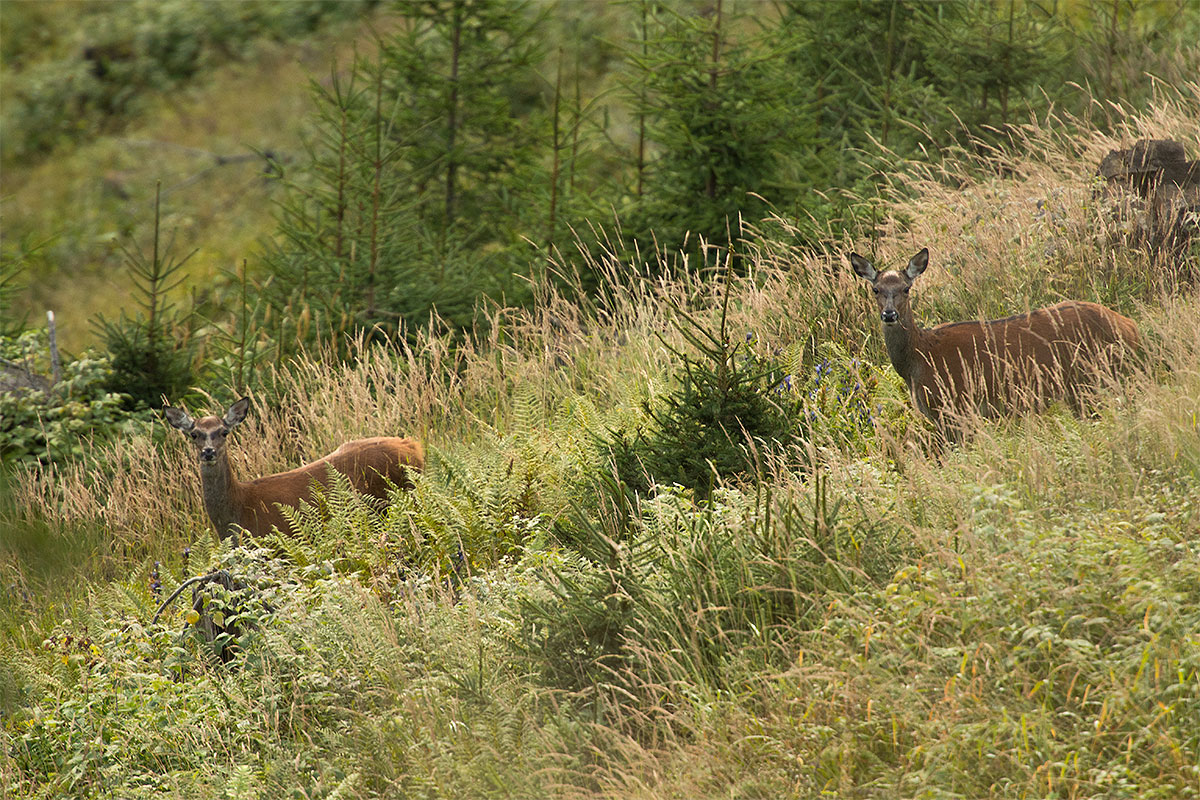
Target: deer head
[209,434]
[891,287]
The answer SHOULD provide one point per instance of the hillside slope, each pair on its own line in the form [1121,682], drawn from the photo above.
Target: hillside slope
[210,144]
[859,615]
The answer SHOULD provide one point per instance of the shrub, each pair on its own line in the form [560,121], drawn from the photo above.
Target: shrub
[56,424]
[724,408]
[737,405]
[131,50]
[695,586]
[153,355]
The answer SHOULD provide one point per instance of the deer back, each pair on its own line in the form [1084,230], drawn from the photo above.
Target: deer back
[1023,361]
[371,465]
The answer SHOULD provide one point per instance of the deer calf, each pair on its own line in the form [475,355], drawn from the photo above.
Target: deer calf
[996,366]
[370,464]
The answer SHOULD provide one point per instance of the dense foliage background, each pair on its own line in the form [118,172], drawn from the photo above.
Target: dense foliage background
[681,532]
[448,152]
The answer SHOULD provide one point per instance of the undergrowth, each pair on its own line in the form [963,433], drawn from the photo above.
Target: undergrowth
[847,612]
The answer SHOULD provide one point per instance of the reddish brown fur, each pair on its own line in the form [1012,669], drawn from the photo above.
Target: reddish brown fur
[368,463]
[998,366]
[254,505]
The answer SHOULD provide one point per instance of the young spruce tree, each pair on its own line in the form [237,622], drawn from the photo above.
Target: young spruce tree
[153,354]
[411,197]
[718,116]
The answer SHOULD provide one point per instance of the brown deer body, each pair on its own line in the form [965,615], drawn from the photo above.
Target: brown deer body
[998,366]
[370,464]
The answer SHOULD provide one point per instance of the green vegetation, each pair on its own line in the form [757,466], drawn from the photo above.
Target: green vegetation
[408,203]
[447,153]
[153,354]
[139,48]
[681,532]
[55,424]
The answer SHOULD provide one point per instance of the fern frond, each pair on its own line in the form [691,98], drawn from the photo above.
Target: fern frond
[526,411]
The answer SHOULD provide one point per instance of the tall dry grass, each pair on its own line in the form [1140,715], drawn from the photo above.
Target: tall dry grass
[1029,645]
[865,698]
[1035,231]
[1021,230]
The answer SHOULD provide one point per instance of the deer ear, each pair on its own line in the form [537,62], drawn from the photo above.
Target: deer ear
[863,268]
[237,412]
[178,418]
[917,264]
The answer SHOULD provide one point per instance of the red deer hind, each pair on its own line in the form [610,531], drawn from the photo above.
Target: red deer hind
[370,464]
[997,366]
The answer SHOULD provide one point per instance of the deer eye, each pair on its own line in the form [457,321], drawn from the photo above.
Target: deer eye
[877,291]
[197,435]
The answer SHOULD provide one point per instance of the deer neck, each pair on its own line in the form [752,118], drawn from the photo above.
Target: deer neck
[222,494]
[901,340]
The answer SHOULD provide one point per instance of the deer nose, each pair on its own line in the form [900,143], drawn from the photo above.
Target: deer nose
[208,454]
[889,315]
